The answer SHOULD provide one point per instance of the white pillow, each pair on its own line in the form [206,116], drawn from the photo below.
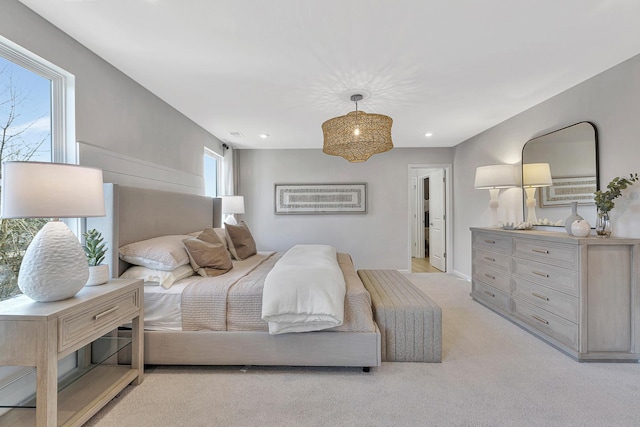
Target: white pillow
[161,277]
[160,253]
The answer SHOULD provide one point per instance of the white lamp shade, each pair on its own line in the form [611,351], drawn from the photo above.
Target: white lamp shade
[495,176]
[536,175]
[232,205]
[51,190]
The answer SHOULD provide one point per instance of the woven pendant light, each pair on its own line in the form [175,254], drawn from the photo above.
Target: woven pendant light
[357,135]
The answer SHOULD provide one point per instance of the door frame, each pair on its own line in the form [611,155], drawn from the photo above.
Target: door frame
[447,209]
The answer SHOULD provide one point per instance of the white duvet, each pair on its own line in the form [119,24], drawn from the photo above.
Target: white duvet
[304,291]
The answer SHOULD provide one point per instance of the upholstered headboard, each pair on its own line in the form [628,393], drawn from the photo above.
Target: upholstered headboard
[135,214]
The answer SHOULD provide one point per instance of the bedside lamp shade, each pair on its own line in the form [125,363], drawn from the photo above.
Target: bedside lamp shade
[54,266]
[232,205]
[534,175]
[493,178]
[51,190]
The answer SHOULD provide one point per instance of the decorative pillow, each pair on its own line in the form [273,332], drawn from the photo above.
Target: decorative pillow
[208,259]
[240,240]
[160,253]
[163,278]
[220,232]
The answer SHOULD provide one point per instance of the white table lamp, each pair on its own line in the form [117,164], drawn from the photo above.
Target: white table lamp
[54,266]
[534,175]
[232,205]
[493,178]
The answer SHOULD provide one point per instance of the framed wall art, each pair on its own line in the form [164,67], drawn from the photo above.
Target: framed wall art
[567,190]
[321,198]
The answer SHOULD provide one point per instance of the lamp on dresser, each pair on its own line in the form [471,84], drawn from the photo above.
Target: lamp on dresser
[54,266]
[534,176]
[493,178]
[232,205]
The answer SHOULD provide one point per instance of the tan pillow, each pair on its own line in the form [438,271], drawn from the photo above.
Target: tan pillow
[241,243]
[209,235]
[208,259]
[206,235]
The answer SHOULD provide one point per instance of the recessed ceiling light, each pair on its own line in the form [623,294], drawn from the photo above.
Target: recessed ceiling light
[264,136]
[428,134]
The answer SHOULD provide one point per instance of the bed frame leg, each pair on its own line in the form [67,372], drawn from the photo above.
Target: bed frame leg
[366,369]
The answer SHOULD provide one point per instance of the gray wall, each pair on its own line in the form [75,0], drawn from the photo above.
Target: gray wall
[378,239]
[611,100]
[112,111]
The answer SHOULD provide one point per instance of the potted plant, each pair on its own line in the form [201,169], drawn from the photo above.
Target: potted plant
[94,249]
[604,202]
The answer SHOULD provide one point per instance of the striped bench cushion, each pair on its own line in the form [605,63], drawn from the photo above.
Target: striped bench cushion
[410,322]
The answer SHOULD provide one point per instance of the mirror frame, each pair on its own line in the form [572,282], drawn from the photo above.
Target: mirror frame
[537,138]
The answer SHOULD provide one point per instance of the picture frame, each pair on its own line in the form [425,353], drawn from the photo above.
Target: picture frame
[311,199]
[563,191]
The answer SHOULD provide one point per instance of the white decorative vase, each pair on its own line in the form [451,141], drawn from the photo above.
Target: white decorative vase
[98,275]
[568,223]
[54,266]
[580,228]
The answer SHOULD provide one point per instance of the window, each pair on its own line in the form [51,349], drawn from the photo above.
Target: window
[211,172]
[36,124]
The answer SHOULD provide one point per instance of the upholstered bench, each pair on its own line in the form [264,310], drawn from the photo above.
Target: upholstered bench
[410,322]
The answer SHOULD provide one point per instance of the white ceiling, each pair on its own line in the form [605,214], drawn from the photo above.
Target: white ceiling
[282,67]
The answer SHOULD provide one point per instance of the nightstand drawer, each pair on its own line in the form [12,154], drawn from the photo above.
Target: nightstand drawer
[97,320]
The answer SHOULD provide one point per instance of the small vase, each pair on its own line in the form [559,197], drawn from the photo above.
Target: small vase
[603,225]
[573,217]
[98,275]
[580,228]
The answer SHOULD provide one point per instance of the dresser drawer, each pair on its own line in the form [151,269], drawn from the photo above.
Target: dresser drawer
[558,278]
[492,259]
[555,302]
[97,319]
[491,295]
[554,326]
[497,279]
[492,242]
[559,254]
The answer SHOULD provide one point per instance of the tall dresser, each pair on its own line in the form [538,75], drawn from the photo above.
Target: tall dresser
[580,295]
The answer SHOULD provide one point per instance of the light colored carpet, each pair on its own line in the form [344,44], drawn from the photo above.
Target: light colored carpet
[493,374]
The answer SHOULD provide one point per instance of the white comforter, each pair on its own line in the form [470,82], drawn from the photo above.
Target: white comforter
[304,291]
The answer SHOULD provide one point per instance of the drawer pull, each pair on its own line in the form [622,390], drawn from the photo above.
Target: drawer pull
[493,242]
[490,276]
[490,294]
[490,259]
[105,313]
[540,296]
[539,319]
[540,251]
[540,273]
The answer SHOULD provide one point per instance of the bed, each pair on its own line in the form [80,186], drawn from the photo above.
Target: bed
[136,214]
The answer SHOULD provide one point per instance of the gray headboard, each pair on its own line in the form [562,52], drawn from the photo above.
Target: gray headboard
[135,214]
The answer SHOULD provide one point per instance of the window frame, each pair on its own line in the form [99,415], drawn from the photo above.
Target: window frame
[210,153]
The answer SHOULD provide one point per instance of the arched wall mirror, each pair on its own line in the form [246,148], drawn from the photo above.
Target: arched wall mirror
[572,156]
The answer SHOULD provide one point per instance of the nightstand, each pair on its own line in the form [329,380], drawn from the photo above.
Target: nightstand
[39,334]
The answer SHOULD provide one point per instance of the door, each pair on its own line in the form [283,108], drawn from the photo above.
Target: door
[437,219]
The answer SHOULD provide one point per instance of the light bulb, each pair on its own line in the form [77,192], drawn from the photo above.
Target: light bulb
[356,132]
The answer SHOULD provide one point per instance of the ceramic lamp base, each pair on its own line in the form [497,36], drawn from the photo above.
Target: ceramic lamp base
[54,266]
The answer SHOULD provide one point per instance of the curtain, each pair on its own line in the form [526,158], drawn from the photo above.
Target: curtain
[230,168]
